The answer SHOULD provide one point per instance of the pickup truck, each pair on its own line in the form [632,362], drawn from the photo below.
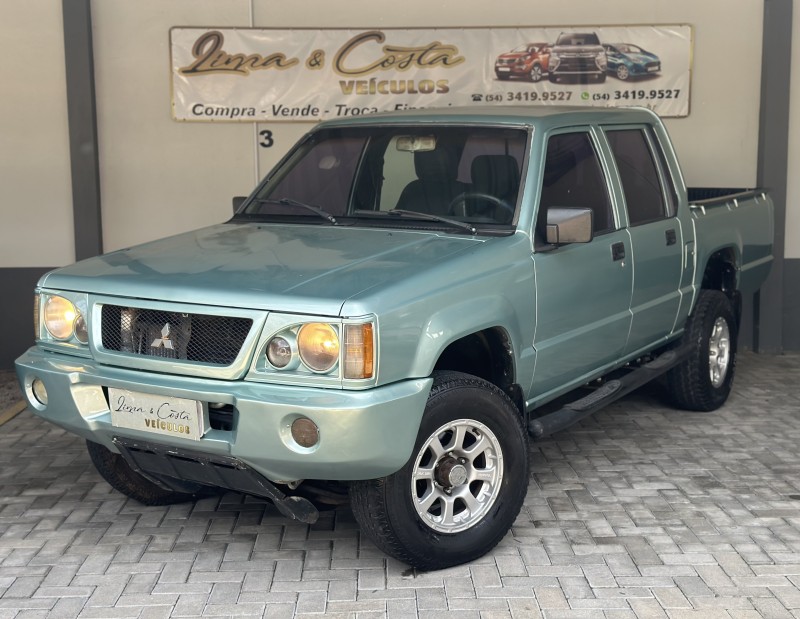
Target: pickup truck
[399,307]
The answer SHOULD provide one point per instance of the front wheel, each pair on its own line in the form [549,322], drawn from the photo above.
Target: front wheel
[536,73]
[463,486]
[703,381]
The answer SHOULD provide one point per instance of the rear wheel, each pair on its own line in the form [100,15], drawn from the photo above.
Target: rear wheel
[113,468]
[463,486]
[704,380]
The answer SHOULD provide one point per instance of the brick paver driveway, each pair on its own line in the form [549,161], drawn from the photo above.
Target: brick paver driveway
[639,511]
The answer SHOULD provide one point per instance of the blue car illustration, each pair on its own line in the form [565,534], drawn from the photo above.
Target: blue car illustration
[626,60]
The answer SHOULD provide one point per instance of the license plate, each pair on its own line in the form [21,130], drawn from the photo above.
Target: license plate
[652,68]
[503,69]
[156,413]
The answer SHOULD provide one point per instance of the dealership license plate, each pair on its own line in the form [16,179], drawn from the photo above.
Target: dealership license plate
[503,69]
[156,413]
[652,68]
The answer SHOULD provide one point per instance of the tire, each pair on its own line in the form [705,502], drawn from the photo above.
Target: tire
[622,72]
[600,79]
[535,74]
[553,78]
[113,468]
[703,381]
[482,460]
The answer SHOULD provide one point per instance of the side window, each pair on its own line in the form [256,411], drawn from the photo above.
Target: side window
[638,171]
[573,177]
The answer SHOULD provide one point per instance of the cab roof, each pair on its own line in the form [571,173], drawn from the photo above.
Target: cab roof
[543,117]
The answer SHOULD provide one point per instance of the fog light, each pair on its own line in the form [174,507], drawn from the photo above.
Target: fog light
[39,391]
[305,432]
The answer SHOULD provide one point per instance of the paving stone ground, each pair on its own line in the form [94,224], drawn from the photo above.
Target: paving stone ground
[640,511]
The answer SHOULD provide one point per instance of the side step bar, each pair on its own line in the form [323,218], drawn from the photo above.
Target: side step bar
[170,466]
[610,392]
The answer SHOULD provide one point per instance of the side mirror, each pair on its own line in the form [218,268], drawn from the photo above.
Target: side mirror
[237,202]
[569,225]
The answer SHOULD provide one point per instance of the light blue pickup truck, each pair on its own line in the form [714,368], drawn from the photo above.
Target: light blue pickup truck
[393,313]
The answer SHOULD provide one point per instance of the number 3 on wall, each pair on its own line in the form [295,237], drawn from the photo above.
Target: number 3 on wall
[266,141]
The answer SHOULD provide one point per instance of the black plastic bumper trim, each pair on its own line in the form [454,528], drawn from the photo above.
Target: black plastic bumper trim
[173,466]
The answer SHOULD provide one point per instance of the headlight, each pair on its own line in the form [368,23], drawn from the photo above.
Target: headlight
[329,350]
[318,344]
[59,317]
[282,352]
[81,330]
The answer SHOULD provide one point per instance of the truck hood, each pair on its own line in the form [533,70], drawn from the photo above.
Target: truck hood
[512,55]
[293,268]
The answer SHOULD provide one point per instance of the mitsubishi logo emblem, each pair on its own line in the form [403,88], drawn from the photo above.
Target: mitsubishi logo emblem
[164,340]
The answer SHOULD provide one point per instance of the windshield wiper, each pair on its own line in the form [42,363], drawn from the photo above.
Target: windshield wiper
[399,212]
[291,202]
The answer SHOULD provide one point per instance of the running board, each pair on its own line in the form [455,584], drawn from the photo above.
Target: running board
[610,392]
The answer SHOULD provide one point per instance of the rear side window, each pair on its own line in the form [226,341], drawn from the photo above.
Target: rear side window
[573,177]
[638,171]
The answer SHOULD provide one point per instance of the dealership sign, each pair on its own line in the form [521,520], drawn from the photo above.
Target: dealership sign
[254,74]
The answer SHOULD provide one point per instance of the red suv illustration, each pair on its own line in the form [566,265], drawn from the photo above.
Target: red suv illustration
[529,61]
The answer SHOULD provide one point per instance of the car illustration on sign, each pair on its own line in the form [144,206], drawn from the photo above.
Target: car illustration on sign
[529,61]
[626,60]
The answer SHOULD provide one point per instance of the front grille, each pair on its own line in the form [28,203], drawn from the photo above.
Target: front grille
[578,64]
[173,335]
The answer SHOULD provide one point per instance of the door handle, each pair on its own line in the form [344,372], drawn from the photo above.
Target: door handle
[671,237]
[618,251]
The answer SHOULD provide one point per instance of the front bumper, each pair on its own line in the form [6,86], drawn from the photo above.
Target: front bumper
[363,434]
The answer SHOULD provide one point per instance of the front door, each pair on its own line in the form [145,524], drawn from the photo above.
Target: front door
[583,289]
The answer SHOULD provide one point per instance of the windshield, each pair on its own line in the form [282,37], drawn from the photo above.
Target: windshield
[588,38]
[357,175]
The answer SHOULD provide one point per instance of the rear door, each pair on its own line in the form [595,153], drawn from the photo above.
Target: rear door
[655,233]
[583,289]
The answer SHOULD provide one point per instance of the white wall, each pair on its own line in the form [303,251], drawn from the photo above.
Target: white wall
[35,187]
[158,176]
[793,184]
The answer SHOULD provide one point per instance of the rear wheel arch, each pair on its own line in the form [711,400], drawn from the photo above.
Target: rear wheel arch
[722,273]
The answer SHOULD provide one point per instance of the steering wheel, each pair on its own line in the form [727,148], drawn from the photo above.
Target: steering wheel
[478,195]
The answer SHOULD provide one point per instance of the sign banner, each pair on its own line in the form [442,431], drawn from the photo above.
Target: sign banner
[254,74]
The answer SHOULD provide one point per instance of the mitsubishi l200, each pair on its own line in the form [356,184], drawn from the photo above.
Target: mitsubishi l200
[385,317]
